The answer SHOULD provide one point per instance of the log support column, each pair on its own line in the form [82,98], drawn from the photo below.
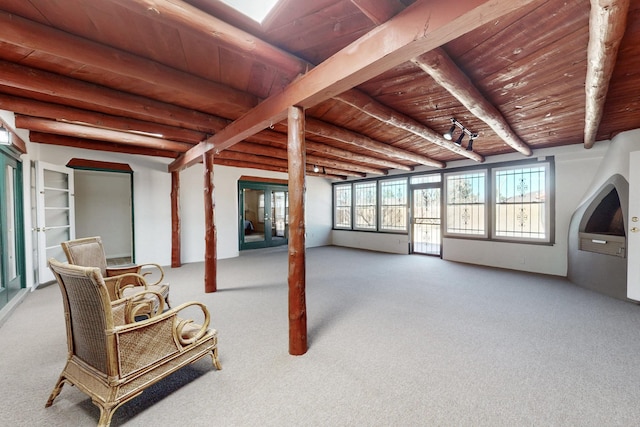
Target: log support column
[175,220]
[297,262]
[210,233]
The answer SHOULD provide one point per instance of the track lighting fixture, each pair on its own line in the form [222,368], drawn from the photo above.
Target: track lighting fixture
[449,135]
[316,169]
[463,130]
[459,140]
[470,143]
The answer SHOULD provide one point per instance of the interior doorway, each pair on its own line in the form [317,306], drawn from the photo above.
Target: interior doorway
[264,214]
[104,207]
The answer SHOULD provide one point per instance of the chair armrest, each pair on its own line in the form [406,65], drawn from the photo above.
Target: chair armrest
[126,310]
[183,329]
[147,273]
[124,281]
[116,271]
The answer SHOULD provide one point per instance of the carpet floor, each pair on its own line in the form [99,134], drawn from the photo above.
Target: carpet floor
[394,340]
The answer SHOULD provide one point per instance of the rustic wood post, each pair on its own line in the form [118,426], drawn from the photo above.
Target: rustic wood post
[175,220]
[297,263]
[210,233]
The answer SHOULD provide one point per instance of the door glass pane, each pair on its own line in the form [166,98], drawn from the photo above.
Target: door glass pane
[279,214]
[254,215]
[12,267]
[426,221]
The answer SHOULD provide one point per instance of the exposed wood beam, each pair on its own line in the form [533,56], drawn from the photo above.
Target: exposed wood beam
[31,35]
[447,74]
[279,163]
[329,174]
[278,153]
[87,132]
[69,141]
[222,161]
[320,128]
[48,110]
[421,27]
[607,23]
[183,16]
[278,138]
[99,98]
[379,11]
[355,157]
[373,108]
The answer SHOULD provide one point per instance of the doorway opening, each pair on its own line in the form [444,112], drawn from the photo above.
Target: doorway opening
[104,207]
[426,219]
[264,214]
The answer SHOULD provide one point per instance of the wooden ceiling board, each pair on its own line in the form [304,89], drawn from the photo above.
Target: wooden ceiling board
[529,64]
[544,28]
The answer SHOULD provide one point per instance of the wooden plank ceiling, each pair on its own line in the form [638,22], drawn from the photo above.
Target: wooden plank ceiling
[159,77]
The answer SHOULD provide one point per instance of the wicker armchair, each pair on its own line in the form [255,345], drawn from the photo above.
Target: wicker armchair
[89,252]
[112,358]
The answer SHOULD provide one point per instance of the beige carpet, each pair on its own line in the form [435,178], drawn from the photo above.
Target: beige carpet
[394,341]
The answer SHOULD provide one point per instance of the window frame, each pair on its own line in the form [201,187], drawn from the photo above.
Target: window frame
[485,232]
[373,206]
[549,192]
[381,206]
[489,200]
[350,206]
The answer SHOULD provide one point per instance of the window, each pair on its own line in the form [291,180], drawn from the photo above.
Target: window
[521,209]
[393,205]
[365,205]
[342,206]
[466,203]
[508,202]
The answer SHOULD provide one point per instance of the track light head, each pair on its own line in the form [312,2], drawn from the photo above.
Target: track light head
[449,134]
[470,144]
[460,138]
[316,169]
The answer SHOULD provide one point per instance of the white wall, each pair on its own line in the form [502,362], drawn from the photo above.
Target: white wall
[152,203]
[616,160]
[575,169]
[381,242]
[317,212]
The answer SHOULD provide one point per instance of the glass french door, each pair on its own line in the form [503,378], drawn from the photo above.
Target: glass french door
[55,214]
[264,215]
[11,226]
[426,221]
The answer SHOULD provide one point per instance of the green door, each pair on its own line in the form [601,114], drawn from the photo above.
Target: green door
[11,240]
[264,215]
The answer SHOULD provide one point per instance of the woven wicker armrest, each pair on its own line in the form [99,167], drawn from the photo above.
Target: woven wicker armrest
[184,331]
[144,304]
[115,271]
[126,281]
[146,274]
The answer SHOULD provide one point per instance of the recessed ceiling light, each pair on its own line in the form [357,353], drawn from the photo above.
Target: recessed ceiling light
[254,9]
